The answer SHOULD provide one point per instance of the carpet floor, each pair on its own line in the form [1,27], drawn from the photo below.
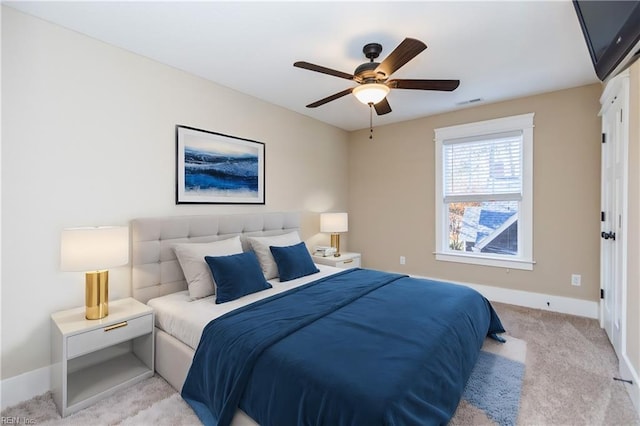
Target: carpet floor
[570,370]
[567,381]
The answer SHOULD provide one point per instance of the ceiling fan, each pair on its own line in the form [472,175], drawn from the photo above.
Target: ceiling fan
[373,77]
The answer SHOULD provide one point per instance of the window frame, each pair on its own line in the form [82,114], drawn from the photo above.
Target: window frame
[524,260]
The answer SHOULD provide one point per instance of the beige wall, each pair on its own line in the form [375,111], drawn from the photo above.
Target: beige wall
[88,138]
[391,195]
[633,262]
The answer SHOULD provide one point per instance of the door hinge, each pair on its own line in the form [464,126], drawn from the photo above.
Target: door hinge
[604,138]
[602,293]
[602,217]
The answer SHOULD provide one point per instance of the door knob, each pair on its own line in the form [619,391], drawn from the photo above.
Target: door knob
[607,235]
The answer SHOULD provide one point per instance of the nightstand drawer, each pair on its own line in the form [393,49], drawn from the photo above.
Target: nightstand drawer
[348,263]
[108,335]
[345,261]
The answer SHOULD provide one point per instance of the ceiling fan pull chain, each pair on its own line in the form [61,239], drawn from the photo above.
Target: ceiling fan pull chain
[370,120]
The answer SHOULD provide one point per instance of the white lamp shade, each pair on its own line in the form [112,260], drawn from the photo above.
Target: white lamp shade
[92,249]
[371,93]
[334,222]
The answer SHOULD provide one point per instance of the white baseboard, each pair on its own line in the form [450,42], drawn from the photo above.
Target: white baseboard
[627,372]
[547,302]
[527,299]
[25,386]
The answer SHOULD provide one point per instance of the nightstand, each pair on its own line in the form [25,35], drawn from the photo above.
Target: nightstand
[94,358]
[345,260]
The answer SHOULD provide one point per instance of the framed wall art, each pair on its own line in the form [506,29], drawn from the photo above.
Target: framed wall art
[213,168]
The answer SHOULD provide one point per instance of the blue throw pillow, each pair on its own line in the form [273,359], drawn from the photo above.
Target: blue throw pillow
[293,261]
[236,275]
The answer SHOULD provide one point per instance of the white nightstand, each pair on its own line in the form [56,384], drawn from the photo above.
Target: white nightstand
[345,260]
[94,358]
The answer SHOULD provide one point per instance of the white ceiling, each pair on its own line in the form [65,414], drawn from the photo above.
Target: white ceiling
[498,50]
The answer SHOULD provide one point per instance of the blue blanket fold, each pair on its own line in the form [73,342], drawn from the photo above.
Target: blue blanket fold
[359,347]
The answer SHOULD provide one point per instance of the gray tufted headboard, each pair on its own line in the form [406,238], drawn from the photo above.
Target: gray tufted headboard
[155,271]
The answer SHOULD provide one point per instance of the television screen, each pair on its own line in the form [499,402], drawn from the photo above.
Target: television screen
[611,30]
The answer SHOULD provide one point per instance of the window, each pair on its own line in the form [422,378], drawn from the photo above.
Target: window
[484,192]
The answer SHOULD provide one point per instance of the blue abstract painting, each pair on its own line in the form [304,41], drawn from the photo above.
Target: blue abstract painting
[216,168]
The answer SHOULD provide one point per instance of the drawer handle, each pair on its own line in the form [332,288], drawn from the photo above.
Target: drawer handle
[348,261]
[114,326]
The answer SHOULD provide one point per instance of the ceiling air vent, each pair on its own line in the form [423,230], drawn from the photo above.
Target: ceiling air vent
[470,101]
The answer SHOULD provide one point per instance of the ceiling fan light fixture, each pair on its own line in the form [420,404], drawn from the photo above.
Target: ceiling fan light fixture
[371,93]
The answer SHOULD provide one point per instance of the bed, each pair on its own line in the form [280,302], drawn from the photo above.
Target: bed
[341,388]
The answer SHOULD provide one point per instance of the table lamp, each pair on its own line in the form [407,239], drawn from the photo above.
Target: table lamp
[92,250]
[334,223]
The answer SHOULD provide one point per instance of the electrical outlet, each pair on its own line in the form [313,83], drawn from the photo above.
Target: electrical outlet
[576,280]
[403,260]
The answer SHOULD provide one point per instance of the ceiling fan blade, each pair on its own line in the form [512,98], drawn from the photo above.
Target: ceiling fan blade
[323,70]
[406,51]
[330,98]
[382,107]
[443,85]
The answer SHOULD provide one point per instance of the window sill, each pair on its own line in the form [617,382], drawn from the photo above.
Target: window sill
[486,261]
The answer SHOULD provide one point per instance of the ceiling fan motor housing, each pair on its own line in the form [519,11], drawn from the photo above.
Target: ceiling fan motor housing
[366,73]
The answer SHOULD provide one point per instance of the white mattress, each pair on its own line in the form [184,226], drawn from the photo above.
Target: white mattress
[185,319]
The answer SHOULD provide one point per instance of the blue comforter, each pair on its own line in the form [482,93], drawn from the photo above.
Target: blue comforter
[361,347]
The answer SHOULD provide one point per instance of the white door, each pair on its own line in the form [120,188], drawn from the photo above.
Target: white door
[612,253]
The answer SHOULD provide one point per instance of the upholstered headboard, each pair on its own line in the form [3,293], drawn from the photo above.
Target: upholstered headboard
[155,270]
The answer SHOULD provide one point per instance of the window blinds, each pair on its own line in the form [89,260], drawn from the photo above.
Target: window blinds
[483,168]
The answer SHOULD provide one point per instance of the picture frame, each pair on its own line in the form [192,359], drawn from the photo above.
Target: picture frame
[214,168]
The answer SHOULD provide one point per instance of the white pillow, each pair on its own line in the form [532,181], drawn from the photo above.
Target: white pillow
[195,269]
[260,246]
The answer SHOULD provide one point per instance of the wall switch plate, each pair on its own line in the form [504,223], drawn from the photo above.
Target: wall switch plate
[403,260]
[576,280]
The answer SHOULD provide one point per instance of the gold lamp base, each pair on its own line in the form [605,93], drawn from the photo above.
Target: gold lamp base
[335,242]
[97,294]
